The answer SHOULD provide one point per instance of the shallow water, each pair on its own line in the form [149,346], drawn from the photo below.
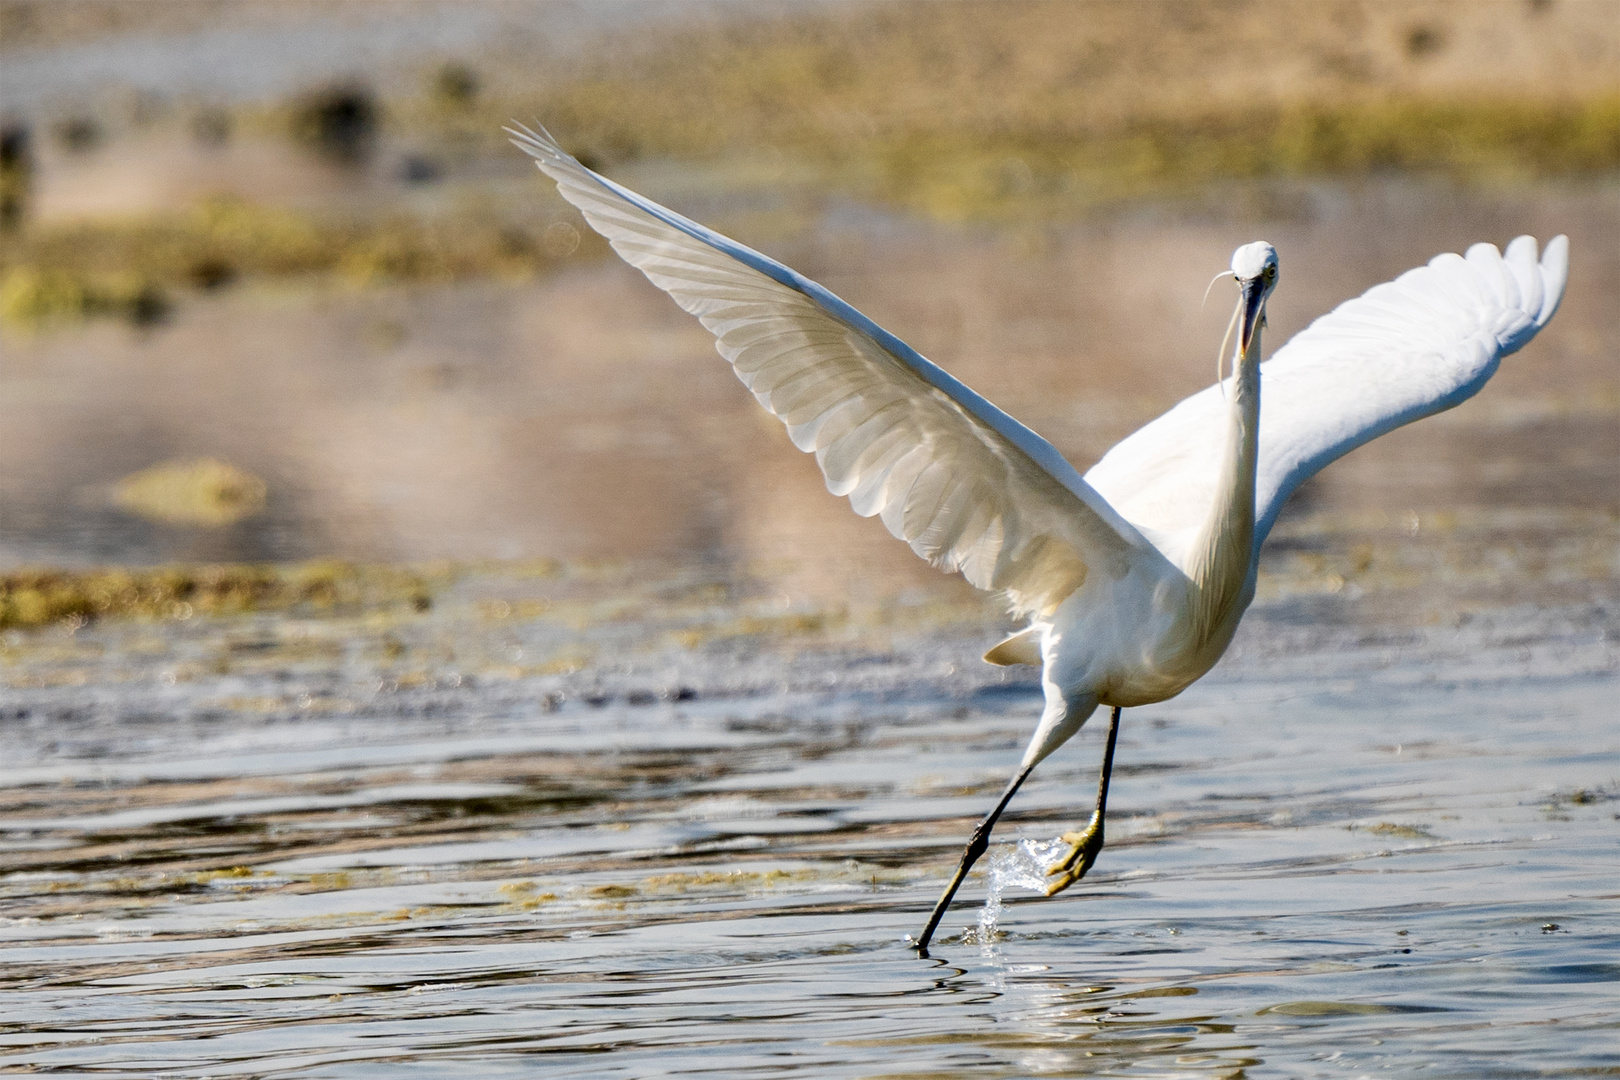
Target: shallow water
[419,844]
[583,415]
[676,815]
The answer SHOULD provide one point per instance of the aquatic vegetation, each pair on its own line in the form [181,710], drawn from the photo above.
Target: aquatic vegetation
[1020,114]
[970,112]
[132,268]
[31,296]
[16,172]
[30,598]
[729,881]
[1053,170]
[525,895]
[1034,175]
[203,492]
[1401,832]
[339,122]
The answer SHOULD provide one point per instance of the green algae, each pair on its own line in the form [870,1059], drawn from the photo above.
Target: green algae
[1022,112]
[1014,115]
[134,267]
[203,492]
[40,597]
[1058,175]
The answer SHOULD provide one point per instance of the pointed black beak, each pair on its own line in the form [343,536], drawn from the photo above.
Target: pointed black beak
[1254,306]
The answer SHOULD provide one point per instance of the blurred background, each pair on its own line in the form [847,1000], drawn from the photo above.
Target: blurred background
[273,287]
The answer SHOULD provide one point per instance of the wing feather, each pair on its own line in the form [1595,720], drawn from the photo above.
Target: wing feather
[968,487]
[1415,346]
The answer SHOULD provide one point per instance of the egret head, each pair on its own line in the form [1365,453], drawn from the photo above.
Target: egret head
[1255,267]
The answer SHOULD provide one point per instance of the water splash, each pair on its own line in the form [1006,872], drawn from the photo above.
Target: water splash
[1024,865]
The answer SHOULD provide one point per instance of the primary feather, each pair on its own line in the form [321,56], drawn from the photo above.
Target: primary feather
[967,486]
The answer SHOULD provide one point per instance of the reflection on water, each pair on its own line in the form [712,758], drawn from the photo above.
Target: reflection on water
[619,824]
[585,416]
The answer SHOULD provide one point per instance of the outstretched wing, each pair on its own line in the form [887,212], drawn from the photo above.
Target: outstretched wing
[966,485]
[1403,350]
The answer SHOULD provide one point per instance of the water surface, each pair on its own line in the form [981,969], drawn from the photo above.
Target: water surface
[333,847]
[680,751]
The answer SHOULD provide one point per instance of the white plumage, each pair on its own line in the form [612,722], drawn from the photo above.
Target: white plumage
[966,485]
[1404,350]
[1133,577]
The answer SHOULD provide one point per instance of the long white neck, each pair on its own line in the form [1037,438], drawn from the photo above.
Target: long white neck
[1225,546]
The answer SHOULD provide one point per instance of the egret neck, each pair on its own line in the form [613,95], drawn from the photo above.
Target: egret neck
[1221,556]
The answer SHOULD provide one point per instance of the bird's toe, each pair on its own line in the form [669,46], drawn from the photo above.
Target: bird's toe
[1063,881]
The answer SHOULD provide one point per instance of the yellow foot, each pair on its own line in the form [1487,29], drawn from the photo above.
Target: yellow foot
[1084,849]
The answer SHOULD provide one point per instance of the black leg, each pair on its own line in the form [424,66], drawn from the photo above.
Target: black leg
[1088,844]
[976,846]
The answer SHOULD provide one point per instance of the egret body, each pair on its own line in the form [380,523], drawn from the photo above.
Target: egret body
[1133,578]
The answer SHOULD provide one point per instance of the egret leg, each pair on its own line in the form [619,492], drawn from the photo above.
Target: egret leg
[1088,844]
[977,843]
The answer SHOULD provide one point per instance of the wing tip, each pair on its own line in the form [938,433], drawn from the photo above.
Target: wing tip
[535,141]
[1555,275]
[1551,267]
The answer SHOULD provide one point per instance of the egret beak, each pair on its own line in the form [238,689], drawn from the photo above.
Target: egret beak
[1253,306]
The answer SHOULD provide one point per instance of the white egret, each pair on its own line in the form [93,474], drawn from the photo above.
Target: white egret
[1134,576]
